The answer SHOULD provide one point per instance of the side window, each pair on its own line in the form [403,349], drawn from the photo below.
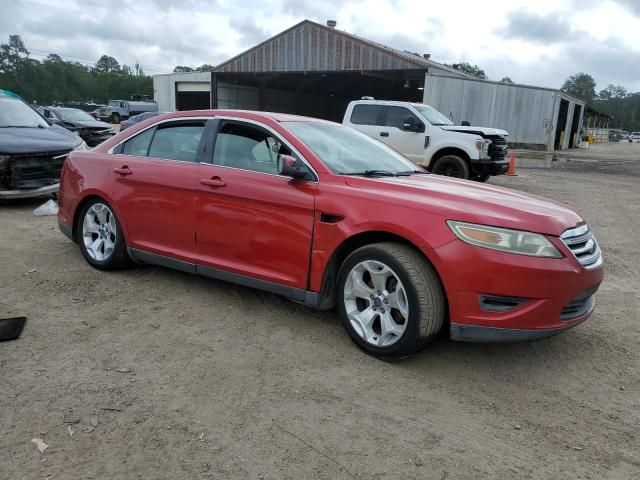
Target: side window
[366,114]
[123,105]
[177,141]
[137,145]
[248,148]
[397,115]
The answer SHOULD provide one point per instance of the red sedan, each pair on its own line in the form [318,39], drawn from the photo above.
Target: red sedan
[322,214]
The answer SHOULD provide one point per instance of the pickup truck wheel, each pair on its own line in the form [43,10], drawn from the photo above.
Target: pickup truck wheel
[100,237]
[115,118]
[480,177]
[451,166]
[390,300]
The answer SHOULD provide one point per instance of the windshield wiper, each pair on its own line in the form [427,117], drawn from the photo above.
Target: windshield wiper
[411,172]
[376,173]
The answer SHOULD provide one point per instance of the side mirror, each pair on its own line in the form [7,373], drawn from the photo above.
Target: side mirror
[465,123]
[289,166]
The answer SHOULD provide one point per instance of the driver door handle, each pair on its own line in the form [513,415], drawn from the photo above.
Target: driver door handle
[123,170]
[384,134]
[215,182]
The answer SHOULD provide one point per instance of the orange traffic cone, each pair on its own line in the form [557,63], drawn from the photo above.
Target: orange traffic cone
[512,166]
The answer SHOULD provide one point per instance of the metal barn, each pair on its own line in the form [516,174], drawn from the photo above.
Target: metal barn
[535,117]
[316,70]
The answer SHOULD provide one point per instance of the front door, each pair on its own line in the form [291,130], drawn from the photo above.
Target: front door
[152,176]
[411,143]
[249,220]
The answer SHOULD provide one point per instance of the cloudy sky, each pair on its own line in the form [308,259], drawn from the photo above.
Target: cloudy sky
[539,43]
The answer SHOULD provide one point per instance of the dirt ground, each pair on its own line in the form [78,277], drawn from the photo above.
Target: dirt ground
[164,375]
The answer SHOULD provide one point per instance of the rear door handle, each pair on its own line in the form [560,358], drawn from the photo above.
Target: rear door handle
[384,134]
[213,182]
[123,170]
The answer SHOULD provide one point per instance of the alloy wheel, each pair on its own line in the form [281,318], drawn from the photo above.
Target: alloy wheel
[376,303]
[99,232]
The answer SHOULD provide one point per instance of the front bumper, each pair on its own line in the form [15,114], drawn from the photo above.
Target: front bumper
[29,193]
[549,295]
[94,140]
[490,167]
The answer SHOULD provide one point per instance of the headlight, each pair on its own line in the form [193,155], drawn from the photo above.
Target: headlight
[483,147]
[82,146]
[504,239]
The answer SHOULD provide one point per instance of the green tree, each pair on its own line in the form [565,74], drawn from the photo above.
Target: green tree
[473,70]
[107,64]
[582,86]
[205,67]
[506,80]
[182,69]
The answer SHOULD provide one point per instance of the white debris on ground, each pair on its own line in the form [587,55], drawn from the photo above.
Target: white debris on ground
[50,207]
[40,444]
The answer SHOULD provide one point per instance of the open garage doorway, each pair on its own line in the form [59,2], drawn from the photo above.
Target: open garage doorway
[561,125]
[317,94]
[575,125]
[193,96]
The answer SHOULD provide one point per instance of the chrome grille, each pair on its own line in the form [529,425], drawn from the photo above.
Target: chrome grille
[584,246]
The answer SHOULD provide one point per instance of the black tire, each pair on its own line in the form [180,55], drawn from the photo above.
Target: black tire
[115,118]
[424,292]
[480,177]
[119,258]
[451,166]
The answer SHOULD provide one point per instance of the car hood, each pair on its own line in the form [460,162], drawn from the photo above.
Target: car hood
[37,140]
[473,202]
[483,130]
[96,124]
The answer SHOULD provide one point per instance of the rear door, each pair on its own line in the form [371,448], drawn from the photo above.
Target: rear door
[368,118]
[249,220]
[152,177]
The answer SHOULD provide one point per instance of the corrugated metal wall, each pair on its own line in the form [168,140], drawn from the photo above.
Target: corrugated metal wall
[164,87]
[526,113]
[309,47]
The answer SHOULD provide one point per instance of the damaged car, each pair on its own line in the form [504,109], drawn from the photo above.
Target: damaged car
[79,122]
[32,150]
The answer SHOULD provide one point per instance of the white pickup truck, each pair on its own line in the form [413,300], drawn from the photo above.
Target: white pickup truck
[430,139]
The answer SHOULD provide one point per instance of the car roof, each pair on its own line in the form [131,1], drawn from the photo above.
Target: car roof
[389,102]
[248,114]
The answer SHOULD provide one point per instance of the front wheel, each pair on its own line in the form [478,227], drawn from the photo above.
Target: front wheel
[100,236]
[390,300]
[451,166]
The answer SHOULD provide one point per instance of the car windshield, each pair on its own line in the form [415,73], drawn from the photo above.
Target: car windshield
[347,151]
[114,103]
[74,115]
[433,116]
[16,113]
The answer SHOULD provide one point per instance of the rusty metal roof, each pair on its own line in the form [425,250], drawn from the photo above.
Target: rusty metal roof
[310,46]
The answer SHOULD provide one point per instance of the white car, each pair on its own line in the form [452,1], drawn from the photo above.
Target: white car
[634,137]
[430,139]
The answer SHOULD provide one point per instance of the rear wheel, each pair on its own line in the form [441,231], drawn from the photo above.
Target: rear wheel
[100,236]
[451,166]
[390,300]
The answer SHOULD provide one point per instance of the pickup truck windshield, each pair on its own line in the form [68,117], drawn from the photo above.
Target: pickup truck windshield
[433,116]
[347,151]
[16,113]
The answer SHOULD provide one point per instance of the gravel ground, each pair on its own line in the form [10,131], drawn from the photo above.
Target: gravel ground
[164,375]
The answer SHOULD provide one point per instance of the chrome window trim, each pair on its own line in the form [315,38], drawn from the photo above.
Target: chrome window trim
[225,117]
